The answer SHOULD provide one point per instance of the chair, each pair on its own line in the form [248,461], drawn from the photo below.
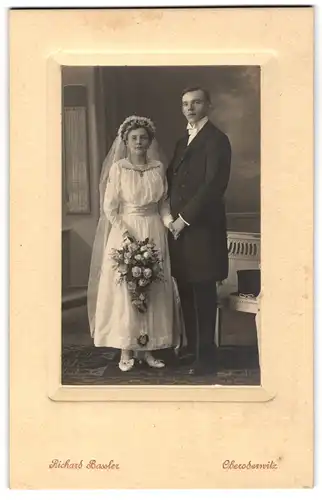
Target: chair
[244,253]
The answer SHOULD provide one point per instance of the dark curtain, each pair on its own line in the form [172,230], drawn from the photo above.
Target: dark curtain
[155,91]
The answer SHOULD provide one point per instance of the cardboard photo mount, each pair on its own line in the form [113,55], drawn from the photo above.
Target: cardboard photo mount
[202,426]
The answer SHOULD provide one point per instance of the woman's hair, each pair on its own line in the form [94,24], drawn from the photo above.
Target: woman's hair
[135,122]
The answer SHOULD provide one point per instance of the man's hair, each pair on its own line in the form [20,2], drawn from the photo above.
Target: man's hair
[206,93]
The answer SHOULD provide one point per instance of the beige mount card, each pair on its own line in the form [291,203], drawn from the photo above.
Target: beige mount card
[65,436]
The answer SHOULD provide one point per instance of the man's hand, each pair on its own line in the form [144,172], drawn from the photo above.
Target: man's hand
[176,227]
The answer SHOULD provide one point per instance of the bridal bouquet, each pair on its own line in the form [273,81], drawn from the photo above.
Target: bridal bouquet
[139,265]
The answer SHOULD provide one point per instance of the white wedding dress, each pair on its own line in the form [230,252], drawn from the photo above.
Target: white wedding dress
[135,201]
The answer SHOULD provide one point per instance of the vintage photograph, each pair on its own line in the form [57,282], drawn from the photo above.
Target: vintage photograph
[161,248]
[161,225]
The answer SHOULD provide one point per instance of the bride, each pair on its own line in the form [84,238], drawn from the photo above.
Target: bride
[133,191]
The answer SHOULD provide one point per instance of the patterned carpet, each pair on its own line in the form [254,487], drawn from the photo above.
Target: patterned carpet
[88,365]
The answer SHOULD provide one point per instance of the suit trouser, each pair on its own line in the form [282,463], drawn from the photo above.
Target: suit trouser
[199,307]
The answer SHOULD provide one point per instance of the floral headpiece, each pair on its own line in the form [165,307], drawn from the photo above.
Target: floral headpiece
[139,122]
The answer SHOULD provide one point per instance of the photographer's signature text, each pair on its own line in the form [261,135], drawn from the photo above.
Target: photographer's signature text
[91,465]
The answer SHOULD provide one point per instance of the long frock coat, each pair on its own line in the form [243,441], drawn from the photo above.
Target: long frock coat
[198,176]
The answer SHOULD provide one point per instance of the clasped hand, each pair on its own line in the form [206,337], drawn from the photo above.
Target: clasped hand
[176,227]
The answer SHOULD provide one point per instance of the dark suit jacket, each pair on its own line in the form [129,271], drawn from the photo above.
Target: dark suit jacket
[197,179]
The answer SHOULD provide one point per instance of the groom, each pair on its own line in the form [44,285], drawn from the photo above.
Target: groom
[198,176]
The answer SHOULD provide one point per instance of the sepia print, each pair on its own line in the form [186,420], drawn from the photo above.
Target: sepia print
[199,322]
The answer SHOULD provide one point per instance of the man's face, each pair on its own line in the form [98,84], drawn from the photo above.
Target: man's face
[194,106]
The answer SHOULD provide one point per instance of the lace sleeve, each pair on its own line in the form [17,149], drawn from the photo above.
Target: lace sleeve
[164,203]
[112,198]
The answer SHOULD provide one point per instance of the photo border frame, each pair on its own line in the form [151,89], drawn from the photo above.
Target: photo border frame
[268,62]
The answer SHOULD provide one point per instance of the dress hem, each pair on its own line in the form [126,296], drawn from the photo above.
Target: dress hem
[136,347]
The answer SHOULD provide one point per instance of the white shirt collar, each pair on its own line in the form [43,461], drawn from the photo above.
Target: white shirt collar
[196,127]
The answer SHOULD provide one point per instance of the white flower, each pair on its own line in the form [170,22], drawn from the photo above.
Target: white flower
[147,273]
[126,261]
[133,247]
[140,121]
[136,271]
[143,248]
[138,257]
[142,296]
[143,282]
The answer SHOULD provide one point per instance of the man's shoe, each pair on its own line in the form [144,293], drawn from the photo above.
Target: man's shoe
[187,358]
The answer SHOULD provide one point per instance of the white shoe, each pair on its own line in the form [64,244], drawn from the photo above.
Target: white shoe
[126,365]
[154,363]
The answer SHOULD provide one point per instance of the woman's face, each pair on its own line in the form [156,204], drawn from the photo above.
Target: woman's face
[138,141]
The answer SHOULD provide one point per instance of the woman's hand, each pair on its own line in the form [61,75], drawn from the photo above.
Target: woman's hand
[176,227]
[127,236]
[170,227]
[167,220]
[173,231]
